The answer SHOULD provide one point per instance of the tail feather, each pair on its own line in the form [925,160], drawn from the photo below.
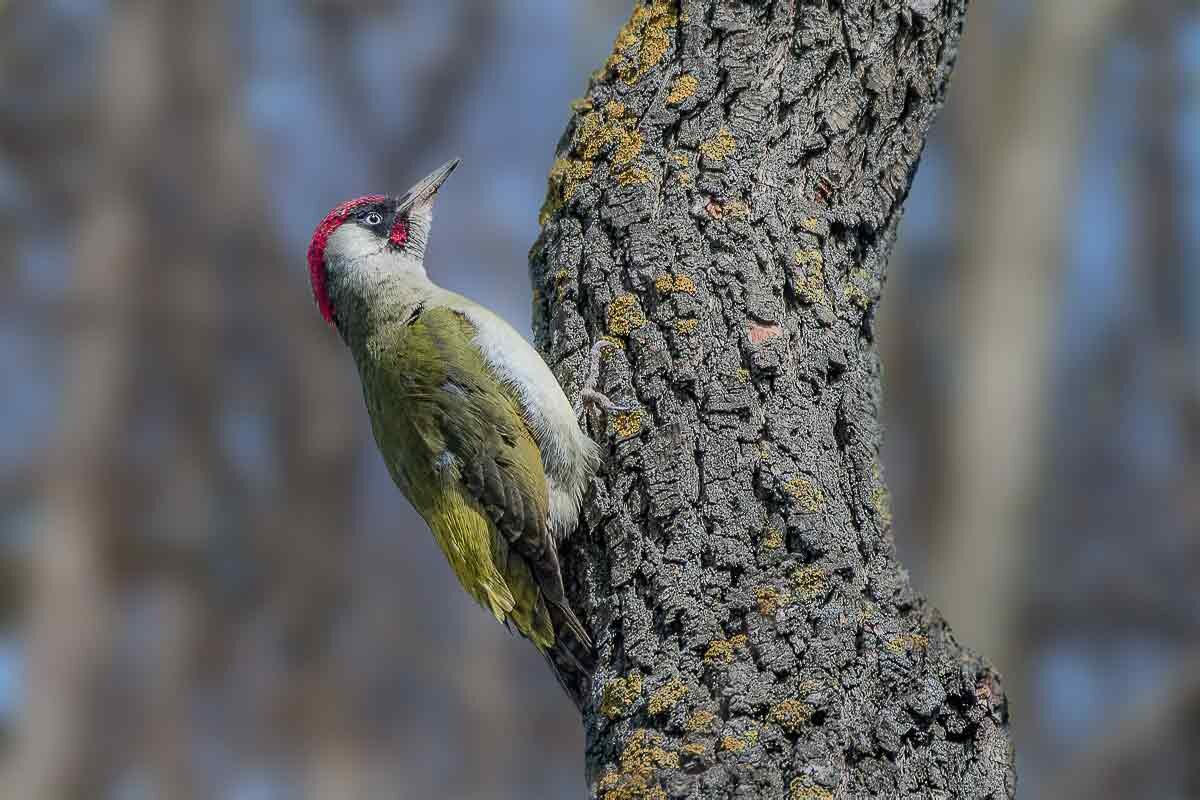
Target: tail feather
[572,644]
[573,624]
[573,663]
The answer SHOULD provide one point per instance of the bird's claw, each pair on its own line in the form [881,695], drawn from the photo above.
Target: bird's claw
[590,397]
[594,399]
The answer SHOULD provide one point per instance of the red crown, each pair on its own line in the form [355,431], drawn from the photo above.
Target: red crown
[320,239]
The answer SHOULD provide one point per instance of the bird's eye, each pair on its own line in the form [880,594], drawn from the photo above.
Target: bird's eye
[374,218]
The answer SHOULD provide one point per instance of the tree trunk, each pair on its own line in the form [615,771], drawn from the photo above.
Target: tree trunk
[722,208]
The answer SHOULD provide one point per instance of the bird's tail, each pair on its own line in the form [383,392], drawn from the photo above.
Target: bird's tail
[566,617]
[572,656]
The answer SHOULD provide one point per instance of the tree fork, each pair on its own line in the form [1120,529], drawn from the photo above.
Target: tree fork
[722,207]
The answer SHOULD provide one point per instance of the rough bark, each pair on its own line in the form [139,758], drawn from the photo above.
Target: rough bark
[723,204]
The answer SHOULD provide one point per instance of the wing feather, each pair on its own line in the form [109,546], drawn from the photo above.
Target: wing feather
[471,423]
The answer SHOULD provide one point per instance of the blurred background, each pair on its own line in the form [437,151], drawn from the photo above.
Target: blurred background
[208,585]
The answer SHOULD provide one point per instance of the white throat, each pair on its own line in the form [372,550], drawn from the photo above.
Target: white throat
[366,277]
[353,249]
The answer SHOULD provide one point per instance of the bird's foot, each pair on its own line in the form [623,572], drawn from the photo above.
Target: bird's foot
[590,397]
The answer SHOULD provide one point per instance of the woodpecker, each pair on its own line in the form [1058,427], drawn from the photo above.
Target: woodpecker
[473,426]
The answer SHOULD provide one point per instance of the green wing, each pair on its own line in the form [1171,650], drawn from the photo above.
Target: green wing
[455,442]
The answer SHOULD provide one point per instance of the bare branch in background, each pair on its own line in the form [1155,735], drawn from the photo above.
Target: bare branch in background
[1025,128]
[73,607]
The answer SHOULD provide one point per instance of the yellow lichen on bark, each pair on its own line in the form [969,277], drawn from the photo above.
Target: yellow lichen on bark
[736,744]
[719,650]
[736,209]
[627,423]
[684,87]
[668,284]
[773,540]
[908,642]
[807,494]
[719,147]
[633,176]
[565,176]
[791,715]
[619,694]
[855,294]
[881,501]
[799,790]
[667,697]
[810,582]
[610,126]
[812,285]
[701,720]
[769,599]
[570,173]
[629,145]
[596,132]
[733,744]
[625,315]
[722,651]
[685,284]
[636,776]
[643,40]
[562,281]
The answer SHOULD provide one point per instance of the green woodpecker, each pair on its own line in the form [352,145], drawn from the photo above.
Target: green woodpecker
[472,425]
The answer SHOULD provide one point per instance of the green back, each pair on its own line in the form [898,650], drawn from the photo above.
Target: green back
[455,442]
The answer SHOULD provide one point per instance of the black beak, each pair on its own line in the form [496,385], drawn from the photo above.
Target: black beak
[427,187]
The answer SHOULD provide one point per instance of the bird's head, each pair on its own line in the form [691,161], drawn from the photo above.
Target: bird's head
[372,233]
